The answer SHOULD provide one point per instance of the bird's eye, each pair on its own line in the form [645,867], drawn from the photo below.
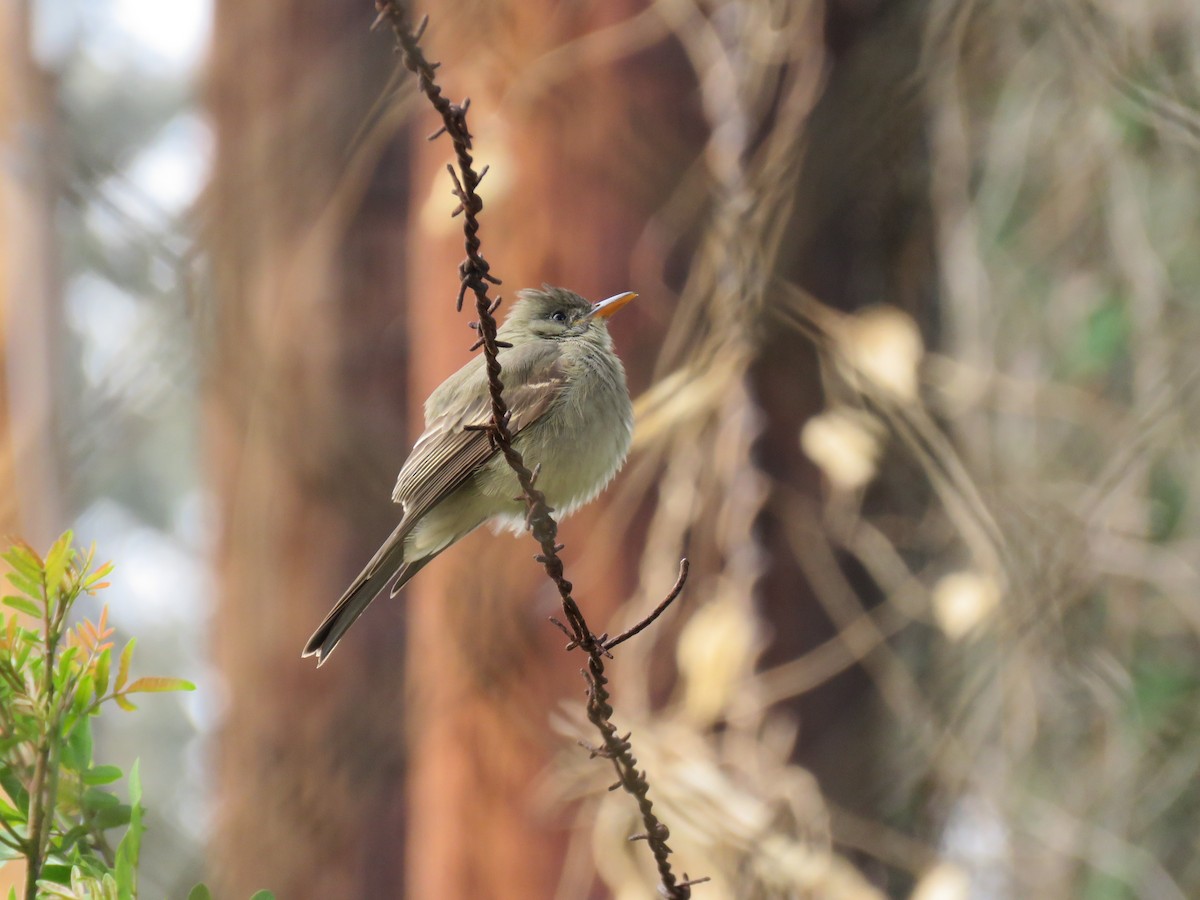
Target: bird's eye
[558,316]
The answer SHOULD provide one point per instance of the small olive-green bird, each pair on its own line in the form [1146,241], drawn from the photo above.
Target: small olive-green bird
[570,414]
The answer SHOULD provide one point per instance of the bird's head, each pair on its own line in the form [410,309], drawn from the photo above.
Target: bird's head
[554,313]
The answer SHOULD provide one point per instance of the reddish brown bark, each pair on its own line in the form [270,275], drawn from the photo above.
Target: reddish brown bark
[304,426]
[28,311]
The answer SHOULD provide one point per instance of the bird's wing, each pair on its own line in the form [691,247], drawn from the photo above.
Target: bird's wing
[443,458]
[452,448]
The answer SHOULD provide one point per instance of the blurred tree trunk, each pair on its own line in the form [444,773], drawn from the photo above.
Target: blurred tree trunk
[12,51]
[306,404]
[28,499]
[861,234]
[27,134]
[562,205]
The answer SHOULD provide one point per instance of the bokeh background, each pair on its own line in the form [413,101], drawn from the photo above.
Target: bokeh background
[916,388]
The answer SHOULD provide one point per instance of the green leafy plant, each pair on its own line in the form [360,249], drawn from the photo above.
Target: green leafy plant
[58,810]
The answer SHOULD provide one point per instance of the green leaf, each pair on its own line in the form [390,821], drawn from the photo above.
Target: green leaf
[15,790]
[26,649]
[24,560]
[66,668]
[126,881]
[85,693]
[124,703]
[262,895]
[58,560]
[112,816]
[56,873]
[48,890]
[123,666]
[76,753]
[97,800]
[90,865]
[31,587]
[10,813]
[200,892]
[131,845]
[103,667]
[135,787]
[90,581]
[102,775]
[158,685]
[67,841]
[22,605]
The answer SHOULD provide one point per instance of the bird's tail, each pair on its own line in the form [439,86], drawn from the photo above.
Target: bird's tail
[388,566]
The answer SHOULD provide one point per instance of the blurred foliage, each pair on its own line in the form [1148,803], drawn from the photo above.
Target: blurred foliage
[201,892]
[1008,536]
[59,810]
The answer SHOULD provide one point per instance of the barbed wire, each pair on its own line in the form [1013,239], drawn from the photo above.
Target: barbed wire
[475,276]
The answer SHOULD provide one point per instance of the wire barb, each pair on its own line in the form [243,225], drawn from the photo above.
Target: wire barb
[658,610]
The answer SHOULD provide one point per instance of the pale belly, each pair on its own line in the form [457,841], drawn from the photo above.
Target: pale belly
[588,452]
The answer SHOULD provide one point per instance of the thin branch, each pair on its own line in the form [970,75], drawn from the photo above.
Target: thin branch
[475,276]
[42,785]
[658,610]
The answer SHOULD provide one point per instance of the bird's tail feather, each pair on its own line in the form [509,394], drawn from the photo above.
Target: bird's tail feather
[387,567]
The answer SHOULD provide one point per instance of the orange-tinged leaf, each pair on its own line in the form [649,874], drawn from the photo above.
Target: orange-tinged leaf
[90,584]
[102,625]
[124,703]
[123,666]
[155,684]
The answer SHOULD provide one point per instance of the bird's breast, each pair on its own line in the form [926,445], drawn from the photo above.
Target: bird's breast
[582,441]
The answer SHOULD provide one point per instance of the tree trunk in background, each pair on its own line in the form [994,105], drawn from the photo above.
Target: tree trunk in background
[28,502]
[13,52]
[562,205]
[306,404]
[28,495]
[861,235]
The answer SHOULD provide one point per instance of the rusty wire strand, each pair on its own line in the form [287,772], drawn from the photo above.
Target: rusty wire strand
[675,591]
[474,274]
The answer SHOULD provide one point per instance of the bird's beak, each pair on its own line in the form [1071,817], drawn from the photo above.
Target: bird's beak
[606,308]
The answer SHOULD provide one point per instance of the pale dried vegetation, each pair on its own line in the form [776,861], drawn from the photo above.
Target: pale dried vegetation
[1035,647]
